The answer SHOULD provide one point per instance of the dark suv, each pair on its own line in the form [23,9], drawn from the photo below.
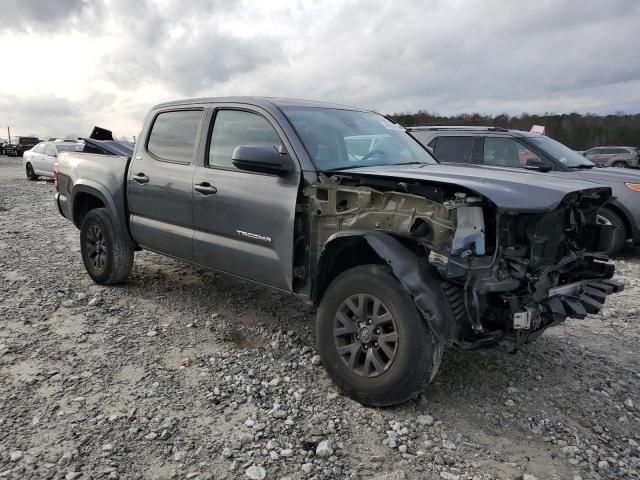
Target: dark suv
[18,145]
[500,147]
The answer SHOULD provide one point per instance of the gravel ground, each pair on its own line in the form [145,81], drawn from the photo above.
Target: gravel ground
[185,373]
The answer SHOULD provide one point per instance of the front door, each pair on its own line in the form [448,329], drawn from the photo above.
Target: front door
[244,221]
[160,183]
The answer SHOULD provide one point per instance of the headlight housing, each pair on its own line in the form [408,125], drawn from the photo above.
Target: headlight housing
[633,186]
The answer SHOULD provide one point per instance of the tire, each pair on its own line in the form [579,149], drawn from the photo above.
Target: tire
[620,164]
[31,174]
[609,217]
[107,258]
[414,358]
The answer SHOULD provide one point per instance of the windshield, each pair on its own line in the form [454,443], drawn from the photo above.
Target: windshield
[560,152]
[69,147]
[339,139]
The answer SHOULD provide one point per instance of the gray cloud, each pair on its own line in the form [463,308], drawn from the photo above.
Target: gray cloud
[185,46]
[46,16]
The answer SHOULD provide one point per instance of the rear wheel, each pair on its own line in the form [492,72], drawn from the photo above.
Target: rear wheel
[606,216]
[373,342]
[31,174]
[107,258]
[620,164]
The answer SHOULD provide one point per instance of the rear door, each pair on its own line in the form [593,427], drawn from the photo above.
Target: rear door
[35,157]
[453,148]
[244,222]
[160,182]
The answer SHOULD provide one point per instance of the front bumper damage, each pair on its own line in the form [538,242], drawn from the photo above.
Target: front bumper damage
[480,277]
[574,300]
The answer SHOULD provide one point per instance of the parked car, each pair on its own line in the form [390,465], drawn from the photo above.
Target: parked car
[18,145]
[499,147]
[403,256]
[40,159]
[620,157]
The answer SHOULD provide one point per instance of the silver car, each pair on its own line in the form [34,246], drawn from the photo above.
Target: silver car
[622,157]
[40,159]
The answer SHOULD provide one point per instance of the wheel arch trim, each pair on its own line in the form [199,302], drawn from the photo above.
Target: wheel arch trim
[633,231]
[427,293]
[100,192]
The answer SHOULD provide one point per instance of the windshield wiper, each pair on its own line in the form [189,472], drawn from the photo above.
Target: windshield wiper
[582,165]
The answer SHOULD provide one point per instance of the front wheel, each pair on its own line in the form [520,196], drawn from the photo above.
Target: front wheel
[31,174]
[107,258]
[373,342]
[607,216]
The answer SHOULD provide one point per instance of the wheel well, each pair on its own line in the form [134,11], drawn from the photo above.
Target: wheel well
[621,214]
[82,204]
[340,255]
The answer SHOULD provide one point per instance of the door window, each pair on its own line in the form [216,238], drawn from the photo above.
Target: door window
[233,128]
[453,149]
[51,151]
[506,152]
[173,135]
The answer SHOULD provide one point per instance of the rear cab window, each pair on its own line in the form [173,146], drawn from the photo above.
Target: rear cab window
[173,135]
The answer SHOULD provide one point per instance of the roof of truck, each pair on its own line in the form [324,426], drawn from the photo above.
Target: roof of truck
[259,101]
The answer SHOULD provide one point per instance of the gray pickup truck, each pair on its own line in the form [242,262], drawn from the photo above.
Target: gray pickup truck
[343,208]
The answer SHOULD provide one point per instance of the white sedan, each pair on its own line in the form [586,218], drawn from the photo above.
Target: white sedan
[40,159]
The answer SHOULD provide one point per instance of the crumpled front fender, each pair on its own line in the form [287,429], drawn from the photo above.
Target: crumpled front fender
[420,280]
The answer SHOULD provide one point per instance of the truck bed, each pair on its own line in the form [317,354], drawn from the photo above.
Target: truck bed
[83,172]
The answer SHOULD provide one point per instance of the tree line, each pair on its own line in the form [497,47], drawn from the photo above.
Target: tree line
[575,130]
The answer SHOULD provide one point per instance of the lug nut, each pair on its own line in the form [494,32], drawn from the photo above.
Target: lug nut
[377,331]
[365,347]
[369,322]
[375,344]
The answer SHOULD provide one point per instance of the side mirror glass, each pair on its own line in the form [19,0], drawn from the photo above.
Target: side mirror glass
[536,163]
[262,158]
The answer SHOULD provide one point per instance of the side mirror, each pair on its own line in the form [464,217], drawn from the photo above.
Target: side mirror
[537,164]
[262,158]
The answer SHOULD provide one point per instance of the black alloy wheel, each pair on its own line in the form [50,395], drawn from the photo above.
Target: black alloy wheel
[373,342]
[96,248]
[365,335]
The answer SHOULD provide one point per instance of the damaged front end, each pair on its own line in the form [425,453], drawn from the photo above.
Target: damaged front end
[502,276]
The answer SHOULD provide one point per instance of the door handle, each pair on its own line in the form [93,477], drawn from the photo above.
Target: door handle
[205,188]
[140,178]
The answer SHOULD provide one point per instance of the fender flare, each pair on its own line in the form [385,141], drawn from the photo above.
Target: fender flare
[99,191]
[423,284]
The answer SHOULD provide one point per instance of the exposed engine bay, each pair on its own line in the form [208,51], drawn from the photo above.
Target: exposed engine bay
[505,275]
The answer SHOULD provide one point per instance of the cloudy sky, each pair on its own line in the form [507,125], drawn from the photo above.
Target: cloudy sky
[70,64]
